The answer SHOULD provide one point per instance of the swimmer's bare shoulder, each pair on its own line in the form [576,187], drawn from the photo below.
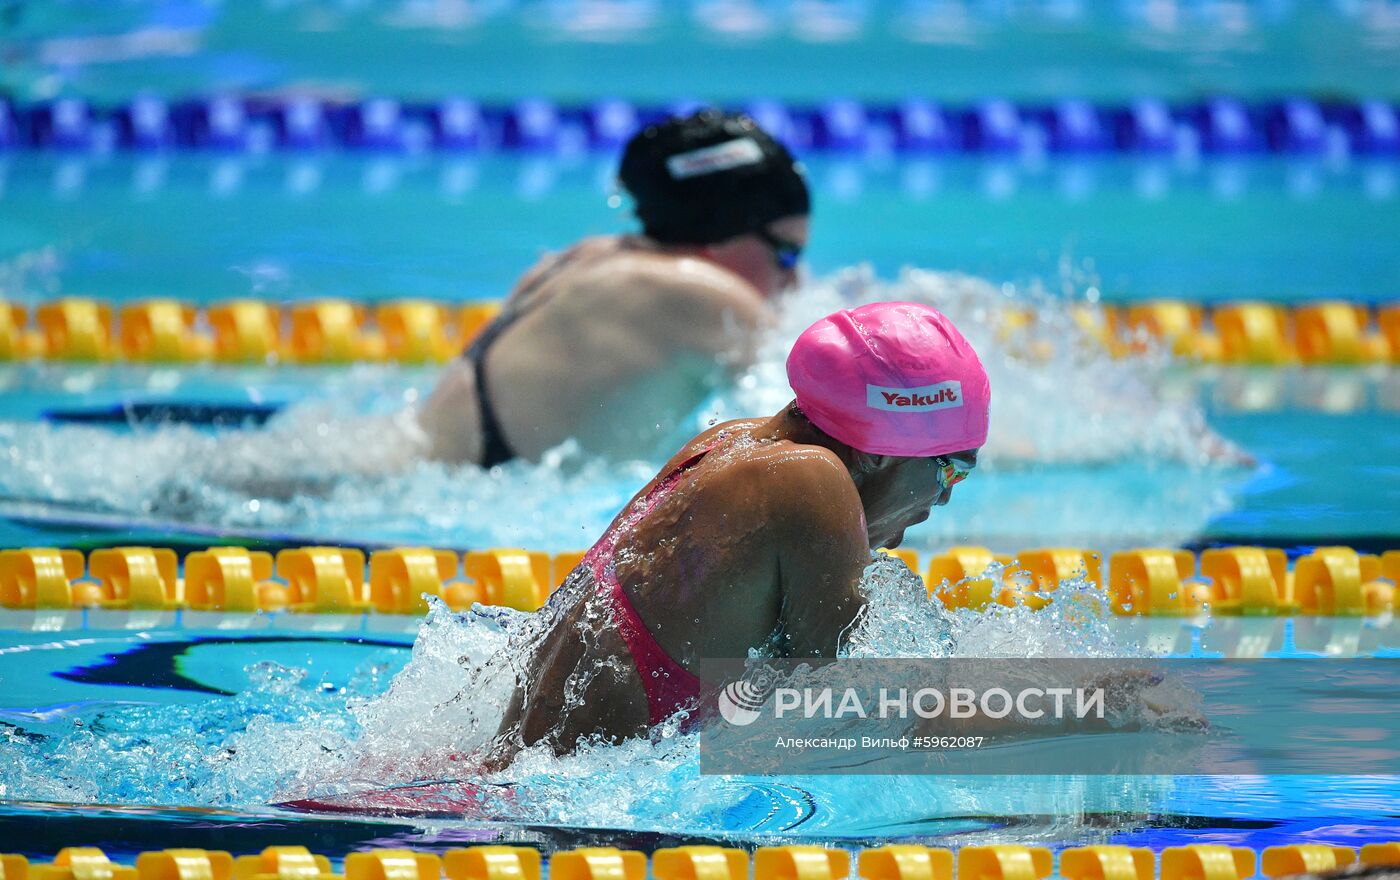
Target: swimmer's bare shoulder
[598,247]
[802,498]
[683,301]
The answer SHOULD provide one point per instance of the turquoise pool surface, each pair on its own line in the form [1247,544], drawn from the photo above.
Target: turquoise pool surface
[204,227]
[953,50]
[1322,477]
[1099,455]
[134,734]
[192,730]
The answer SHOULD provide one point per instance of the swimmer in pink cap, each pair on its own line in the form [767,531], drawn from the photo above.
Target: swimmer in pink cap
[756,534]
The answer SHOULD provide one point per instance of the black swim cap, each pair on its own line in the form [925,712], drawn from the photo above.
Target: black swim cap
[709,177]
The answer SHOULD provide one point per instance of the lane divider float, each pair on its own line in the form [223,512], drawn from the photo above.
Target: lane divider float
[1218,125]
[794,862]
[244,331]
[1150,582]
[309,580]
[414,331]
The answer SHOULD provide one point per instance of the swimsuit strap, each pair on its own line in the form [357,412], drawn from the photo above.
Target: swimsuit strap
[668,685]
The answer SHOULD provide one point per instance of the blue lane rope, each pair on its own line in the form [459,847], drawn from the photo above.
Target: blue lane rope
[1219,125]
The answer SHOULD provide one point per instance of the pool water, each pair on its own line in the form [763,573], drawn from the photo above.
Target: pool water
[955,50]
[182,720]
[325,470]
[203,227]
[1094,452]
[132,735]
[198,728]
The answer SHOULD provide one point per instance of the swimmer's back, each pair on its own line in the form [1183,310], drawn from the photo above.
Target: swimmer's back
[610,342]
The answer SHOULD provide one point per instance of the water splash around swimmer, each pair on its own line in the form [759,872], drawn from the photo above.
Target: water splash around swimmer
[347,464]
[287,737]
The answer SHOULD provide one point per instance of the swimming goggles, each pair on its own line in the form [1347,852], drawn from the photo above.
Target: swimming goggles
[786,254]
[949,474]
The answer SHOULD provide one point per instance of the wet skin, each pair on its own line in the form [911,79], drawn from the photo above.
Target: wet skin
[618,339]
[760,544]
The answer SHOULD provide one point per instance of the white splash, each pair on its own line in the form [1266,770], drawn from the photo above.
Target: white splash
[1057,396]
[1084,449]
[286,737]
[449,698]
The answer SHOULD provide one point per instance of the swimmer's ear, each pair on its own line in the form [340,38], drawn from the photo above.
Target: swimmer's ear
[865,463]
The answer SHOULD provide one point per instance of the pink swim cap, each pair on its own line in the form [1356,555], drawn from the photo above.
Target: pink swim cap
[892,378]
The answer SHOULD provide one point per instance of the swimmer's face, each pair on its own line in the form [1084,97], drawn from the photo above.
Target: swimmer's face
[764,260]
[902,494]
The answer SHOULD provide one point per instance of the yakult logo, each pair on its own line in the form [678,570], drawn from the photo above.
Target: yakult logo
[944,395]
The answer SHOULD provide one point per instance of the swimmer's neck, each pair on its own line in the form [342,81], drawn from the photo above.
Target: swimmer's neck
[643,242]
[791,425]
[695,251]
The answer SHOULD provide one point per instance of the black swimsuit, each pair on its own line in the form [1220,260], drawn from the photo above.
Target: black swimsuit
[494,447]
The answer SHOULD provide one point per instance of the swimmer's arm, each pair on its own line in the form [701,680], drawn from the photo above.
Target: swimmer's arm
[450,418]
[823,550]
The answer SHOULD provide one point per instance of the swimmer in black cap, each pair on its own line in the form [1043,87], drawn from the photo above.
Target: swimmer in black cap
[614,340]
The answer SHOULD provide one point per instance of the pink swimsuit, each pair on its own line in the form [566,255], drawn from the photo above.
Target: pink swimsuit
[669,685]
